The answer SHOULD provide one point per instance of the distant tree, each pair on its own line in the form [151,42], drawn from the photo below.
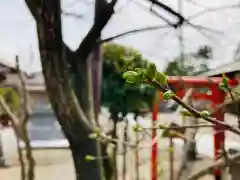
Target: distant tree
[193,63]
[117,96]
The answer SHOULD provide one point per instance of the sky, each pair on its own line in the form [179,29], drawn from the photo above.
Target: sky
[18,33]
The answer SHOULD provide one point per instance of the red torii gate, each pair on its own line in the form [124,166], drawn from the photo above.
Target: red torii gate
[216,97]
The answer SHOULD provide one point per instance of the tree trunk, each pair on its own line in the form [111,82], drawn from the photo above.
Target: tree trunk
[74,111]
[85,170]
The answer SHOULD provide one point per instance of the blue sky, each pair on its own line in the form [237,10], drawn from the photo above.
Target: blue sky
[18,33]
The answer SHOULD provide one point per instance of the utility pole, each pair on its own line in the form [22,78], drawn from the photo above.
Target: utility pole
[96,64]
[180,35]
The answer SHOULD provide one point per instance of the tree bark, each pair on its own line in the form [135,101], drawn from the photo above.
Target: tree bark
[83,169]
[72,101]
[73,120]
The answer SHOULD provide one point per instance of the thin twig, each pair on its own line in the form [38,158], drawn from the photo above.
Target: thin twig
[151,28]
[220,164]
[213,10]
[71,14]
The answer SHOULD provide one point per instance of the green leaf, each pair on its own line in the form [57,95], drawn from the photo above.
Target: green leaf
[168,95]
[131,77]
[223,86]
[11,97]
[161,78]
[138,70]
[151,71]
[225,79]
[128,58]
[89,158]
[142,73]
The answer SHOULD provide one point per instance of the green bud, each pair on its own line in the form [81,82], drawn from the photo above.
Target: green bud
[170,149]
[151,71]
[161,78]
[137,128]
[168,95]
[204,113]
[160,171]
[97,130]
[131,77]
[89,158]
[93,136]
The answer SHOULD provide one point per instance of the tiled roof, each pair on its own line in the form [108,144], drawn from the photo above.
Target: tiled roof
[226,68]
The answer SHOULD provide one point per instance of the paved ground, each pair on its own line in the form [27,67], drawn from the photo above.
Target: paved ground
[57,164]
[51,165]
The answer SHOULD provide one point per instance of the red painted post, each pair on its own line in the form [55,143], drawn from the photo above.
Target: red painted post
[218,97]
[154,134]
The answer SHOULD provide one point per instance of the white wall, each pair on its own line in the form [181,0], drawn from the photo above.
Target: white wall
[9,143]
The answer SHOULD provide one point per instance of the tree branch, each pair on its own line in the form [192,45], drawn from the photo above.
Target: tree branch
[195,112]
[78,16]
[132,32]
[88,43]
[181,19]
[220,164]
[213,10]
[24,94]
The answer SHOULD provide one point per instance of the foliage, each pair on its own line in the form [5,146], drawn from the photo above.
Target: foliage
[191,64]
[116,95]
[11,97]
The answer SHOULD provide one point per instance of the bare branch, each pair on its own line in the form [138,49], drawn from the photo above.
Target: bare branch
[71,14]
[220,164]
[101,20]
[169,10]
[24,94]
[213,10]
[153,11]
[132,32]
[205,28]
